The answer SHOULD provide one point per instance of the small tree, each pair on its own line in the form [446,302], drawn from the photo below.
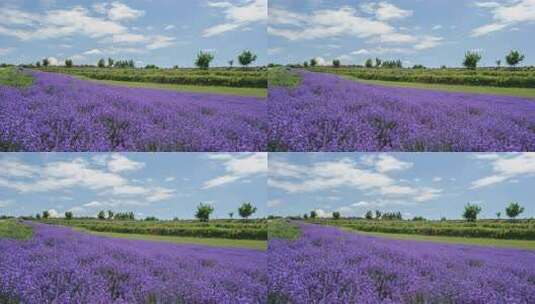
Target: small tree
[68,63]
[471,59]
[498,215]
[231,215]
[369,215]
[336,63]
[46,215]
[246,58]
[38,64]
[514,210]
[336,215]
[203,60]
[378,214]
[305,216]
[471,211]
[378,62]
[498,63]
[231,63]
[313,62]
[246,210]
[38,216]
[514,58]
[305,64]
[101,215]
[203,212]
[68,215]
[369,63]
[101,63]
[110,215]
[46,62]
[110,62]
[313,214]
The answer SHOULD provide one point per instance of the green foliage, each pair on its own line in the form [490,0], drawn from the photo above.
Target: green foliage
[110,62]
[471,59]
[283,229]
[498,63]
[38,216]
[231,215]
[313,214]
[369,63]
[378,214]
[101,215]
[110,214]
[68,215]
[246,58]
[391,64]
[12,76]
[124,216]
[313,62]
[369,215]
[418,67]
[246,210]
[514,210]
[513,58]
[46,215]
[498,215]
[14,230]
[46,62]
[231,63]
[203,212]
[336,215]
[389,216]
[471,211]
[151,66]
[336,63]
[418,218]
[283,77]
[68,63]
[38,64]
[151,219]
[305,64]
[101,63]
[203,60]
[378,62]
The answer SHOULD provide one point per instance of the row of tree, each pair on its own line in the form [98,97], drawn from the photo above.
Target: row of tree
[205,210]
[471,59]
[471,211]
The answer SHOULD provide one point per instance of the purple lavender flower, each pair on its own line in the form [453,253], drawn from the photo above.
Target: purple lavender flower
[61,113]
[329,113]
[59,265]
[327,265]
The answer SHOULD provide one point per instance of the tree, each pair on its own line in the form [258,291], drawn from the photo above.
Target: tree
[203,212]
[110,215]
[68,215]
[231,214]
[313,214]
[514,210]
[336,63]
[38,216]
[369,215]
[305,64]
[471,211]
[101,215]
[498,215]
[231,63]
[336,215]
[378,214]
[46,62]
[498,63]
[46,215]
[378,62]
[246,210]
[369,63]
[101,63]
[305,216]
[68,63]
[471,59]
[514,58]
[313,62]
[38,64]
[246,58]
[203,60]
[110,62]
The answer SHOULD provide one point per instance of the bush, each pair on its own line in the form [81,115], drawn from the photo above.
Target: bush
[68,63]
[101,63]
[68,215]
[336,63]
[336,215]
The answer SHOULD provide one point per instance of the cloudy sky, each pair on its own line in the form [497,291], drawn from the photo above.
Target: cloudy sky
[432,185]
[165,185]
[162,32]
[432,33]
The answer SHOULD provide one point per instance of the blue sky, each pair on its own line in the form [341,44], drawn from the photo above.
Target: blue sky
[432,33]
[432,185]
[165,185]
[163,32]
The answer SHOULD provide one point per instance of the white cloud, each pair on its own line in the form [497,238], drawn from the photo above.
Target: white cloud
[169,179]
[506,14]
[120,11]
[386,163]
[93,204]
[505,167]
[4,51]
[5,203]
[386,11]
[238,15]
[169,27]
[238,166]
[437,179]
[274,203]
[53,213]
[436,27]
[275,51]
[120,163]
[160,41]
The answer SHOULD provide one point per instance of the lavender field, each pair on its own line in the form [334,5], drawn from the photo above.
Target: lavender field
[329,113]
[61,113]
[327,265]
[59,265]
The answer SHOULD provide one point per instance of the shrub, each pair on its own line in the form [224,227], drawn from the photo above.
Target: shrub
[471,59]
[101,215]
[46,62]
[110,62]
[369,63]
[68,215]
[313,214]
[369,215]
[471,211]
[46,214]
[203,60]
[336,215]
[68,63]
[203,212]
[101,63]
[336,63]
[313,62]
[514,210]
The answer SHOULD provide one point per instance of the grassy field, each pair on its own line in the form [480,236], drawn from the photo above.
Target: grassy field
[237,91]
[519,92]
[486,77]
[220,229]
[10,76]
[283,77]
[487,229]
[223,77]
[519,244]
[14,230]
[216,242]
[283,229]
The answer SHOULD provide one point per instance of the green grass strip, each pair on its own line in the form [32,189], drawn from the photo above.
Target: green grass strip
[13,77]
[283,77]
[14,230]
[283,229]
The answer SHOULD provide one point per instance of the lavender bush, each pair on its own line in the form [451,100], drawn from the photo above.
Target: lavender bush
[327,265]
[59,265]
[61,113]
[328,113]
